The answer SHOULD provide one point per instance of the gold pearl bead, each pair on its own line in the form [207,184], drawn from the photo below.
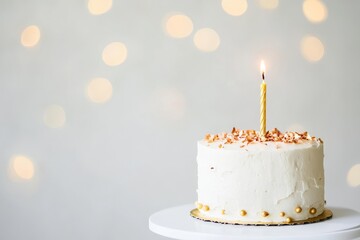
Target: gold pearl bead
[223,211]
[288,220]
[206,208]
[282,214]
[265,214]
[243,213]
[298,209]
[312,211]
[199,205]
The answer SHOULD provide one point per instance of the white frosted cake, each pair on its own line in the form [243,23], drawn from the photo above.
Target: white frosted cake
[246,178]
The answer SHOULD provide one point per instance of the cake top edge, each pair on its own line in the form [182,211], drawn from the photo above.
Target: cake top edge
[251,136]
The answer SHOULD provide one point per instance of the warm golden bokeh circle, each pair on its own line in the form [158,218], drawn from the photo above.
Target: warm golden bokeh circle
[98,7]
[314,10]
[22,167]
[312,48]
[234,7]
[353,177]
[206,40]
[114,54]
[99,90]
[178,26]
[30,36]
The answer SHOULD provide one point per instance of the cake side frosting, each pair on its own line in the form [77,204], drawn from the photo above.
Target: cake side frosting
[262,180]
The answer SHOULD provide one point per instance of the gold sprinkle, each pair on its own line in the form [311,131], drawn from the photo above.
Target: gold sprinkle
[243,213]
[221,146]
[298,209]
[264,214]
[199,205]
[206,208]
[312,210]
[282,214]
[223,211]
[288,220]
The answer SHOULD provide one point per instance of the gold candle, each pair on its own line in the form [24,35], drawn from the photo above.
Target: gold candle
[263,101]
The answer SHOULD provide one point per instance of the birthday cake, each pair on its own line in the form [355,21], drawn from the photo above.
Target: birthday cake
[248,178]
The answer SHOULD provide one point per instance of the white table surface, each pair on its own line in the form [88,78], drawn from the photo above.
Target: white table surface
[177,223]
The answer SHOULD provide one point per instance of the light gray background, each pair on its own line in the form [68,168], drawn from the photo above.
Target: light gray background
[111,165]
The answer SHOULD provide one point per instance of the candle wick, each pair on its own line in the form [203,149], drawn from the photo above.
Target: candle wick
[263,75]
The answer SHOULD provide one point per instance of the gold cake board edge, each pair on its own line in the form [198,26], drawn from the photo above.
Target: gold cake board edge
[327,214]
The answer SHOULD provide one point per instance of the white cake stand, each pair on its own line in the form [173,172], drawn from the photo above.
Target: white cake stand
[177,223]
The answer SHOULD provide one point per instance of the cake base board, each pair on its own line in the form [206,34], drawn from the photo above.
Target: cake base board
[327,214]
[176,223]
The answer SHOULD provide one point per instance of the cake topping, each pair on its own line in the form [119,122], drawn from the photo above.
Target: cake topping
[312,211]
[198,205]
[252,136]
[264,214]
[298,209]
[243,212]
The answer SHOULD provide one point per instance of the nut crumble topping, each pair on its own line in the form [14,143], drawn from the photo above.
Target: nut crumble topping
[252,136]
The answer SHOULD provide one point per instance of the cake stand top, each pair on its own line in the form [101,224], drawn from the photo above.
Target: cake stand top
[177,223]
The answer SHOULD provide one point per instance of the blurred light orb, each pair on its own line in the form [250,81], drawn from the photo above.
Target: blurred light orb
[206,40]
[22,167]
[98,7]
[54,116]
[353,177]
[234,7]
[99,90]
[179,26]
[171,103]
[315,10]
[312,48]
[269,4]
[30,36]
[114,54]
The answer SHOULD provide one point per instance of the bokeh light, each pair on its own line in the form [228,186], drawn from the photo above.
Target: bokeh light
[99,90]
[114,54]
[268,4]
[22,167]
[54,116]
[315,10]
[178,26]
[206,40]
[30,36]
[353,177]
[234,7]
[312,48]
[171,102]
[98,7]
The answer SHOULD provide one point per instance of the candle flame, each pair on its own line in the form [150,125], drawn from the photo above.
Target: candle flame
[262,66]
[262,69]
